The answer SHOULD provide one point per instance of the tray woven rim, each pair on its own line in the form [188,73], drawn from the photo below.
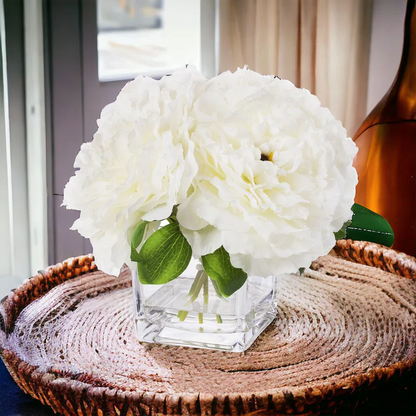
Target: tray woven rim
[73,397]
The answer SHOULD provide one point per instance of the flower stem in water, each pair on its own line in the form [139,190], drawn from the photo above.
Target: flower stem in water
[206,290]
[196,287]
[216,288]
[201,282]
[182,315]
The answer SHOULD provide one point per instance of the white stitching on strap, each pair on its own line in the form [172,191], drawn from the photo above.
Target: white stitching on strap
[370,231]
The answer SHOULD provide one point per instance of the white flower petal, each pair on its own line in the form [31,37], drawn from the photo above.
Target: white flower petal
[204,241]
[275,174]
[139,165]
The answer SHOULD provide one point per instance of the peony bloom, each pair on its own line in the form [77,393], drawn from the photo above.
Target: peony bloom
[253,163]
[139,165]
[275,177]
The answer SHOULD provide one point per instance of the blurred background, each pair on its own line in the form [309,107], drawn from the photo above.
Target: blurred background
[62,61]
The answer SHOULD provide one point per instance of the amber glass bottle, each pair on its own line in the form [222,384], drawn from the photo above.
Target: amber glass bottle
[386,161]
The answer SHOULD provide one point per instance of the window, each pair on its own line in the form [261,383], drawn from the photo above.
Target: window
[149,37]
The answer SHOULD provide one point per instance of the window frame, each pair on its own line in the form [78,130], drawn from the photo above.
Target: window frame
[76,97]
[14,137]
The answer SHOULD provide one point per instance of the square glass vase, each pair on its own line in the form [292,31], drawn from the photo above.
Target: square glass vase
[168,314]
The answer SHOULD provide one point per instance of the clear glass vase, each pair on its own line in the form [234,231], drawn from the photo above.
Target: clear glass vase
[189,311]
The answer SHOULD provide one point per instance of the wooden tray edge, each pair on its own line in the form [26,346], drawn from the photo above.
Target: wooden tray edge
[72,397]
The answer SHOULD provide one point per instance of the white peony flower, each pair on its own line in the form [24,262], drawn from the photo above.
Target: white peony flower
[275,177]
[138,166]
[255,164]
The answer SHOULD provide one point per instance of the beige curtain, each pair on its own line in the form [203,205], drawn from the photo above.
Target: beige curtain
[321,45]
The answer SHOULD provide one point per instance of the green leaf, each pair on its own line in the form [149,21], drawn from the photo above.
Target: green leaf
[219,268]
[163,256]
[136,239]
[366,225]
[342,233]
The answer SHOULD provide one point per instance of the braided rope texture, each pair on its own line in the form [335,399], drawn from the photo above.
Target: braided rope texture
[66,337]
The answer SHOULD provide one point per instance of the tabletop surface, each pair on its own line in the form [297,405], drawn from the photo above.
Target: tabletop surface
[16,403]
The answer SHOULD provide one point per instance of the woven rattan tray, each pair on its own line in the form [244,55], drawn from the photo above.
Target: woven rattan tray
[66,336]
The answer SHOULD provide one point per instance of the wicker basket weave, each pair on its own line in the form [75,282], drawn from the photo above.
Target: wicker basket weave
[341,328]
